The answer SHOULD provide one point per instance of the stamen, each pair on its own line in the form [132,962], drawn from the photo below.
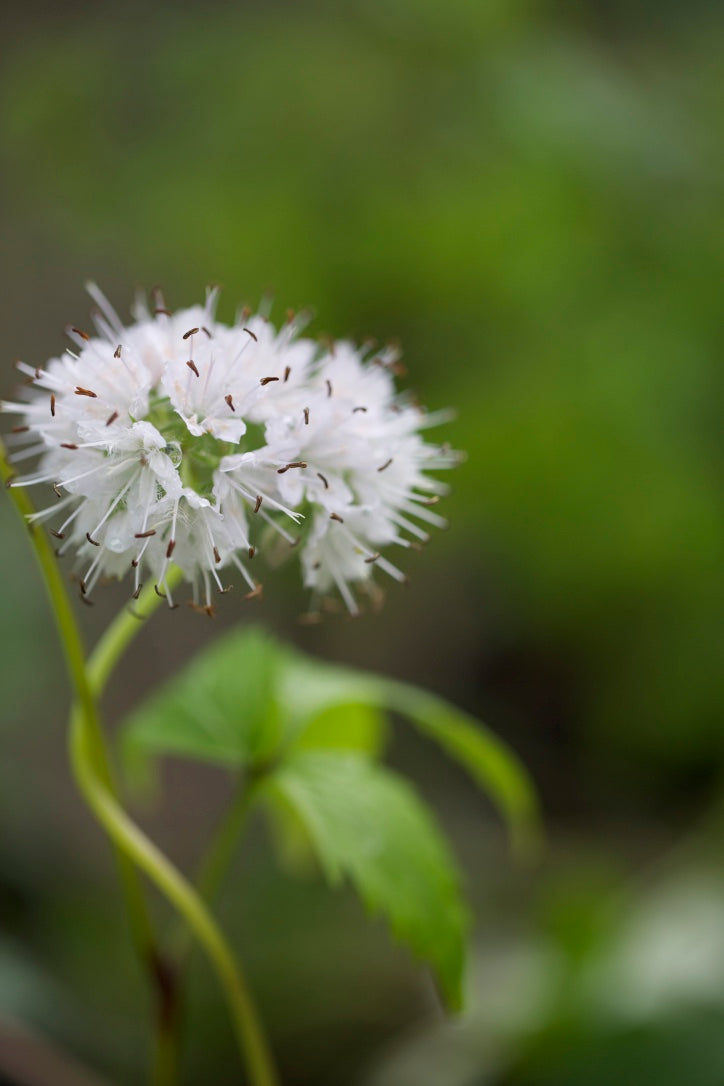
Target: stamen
[385,465]
[356,409]
[90,539]
[306,416]
[295,464]
[85,392]
[111,418]
[230,402]
[191,332]
[267,380]
[257,506]
[192,366]
[337,517]
[52,404]
[117,352]
[287,371]
[144,535]
[328,383]
[250,333]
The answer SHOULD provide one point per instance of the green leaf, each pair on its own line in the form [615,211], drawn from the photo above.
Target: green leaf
[222,707]
[247,699]
[488,760]
[367,825]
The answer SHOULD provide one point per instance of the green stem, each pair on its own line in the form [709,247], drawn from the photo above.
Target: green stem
[74,653]
[92,772]
[174,886]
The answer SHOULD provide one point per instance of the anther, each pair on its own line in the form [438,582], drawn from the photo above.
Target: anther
[250,333]
[328,383]
[252,552]
[229,401]
[255,592]
[85,392]
[430,501]
[10,480]
[192,366]
[158,592]
[111,418]
[137,593]
[259,500]
[160,309]
[170,547]
[205,329]
[267,380]
[337,517]
[19,429]
[324,480]
[144,535]
[67,445]
[58,491]
[217,556]
[90,539]
[295,464]
[58,535]
[191,332]
[372,558]
[134,563]
[306,416]
[52,404]
[287,371]
[356,409]
[83,335]
[209,610]
[385,465]
[86,601]
[290,316]
[117,352]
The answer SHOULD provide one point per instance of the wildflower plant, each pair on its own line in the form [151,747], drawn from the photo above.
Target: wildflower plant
[179,450]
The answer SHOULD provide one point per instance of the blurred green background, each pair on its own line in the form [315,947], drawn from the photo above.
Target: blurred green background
[529,195]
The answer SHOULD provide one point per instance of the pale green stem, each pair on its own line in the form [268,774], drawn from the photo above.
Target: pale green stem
[74,653]
[90,764]
[181,894]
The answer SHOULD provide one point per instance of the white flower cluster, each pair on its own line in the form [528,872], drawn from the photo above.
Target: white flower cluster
[167,439]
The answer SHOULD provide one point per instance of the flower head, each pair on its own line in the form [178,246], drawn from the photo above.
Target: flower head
[179,440]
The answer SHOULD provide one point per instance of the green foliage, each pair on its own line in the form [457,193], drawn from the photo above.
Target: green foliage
[310,731]
[366,824]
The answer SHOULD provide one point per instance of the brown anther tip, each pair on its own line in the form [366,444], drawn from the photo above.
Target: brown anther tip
[356,409]
[217,556]
[385,465]
[144,535]
[229,401]
[259,500]
[267,380]
[137,593]
[111,418]
[85,392]
[328,383]
[287,371]
[117,352]
[430,501]
[19,429]
[58,535]
[90,539]
[250,333]
[134,563]
[255,593]
[161,309]
[11,479]
[209,610]
[52,404]
[191,332]
[306,416]
[310,618]
[78,332]
[58,491]
[158,592]
[372,558]
[170,547]
[295,542]
[86,601]
[337,517]
[324,480]
[294,464]
[192,366]
[252,552]
[290,316]
[205,329]
[67,445]
[223,591]
[81,585]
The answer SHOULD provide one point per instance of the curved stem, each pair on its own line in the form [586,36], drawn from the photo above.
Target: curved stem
[74,653]
[174,886]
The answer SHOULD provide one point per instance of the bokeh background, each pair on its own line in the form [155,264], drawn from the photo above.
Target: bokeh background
[529,195]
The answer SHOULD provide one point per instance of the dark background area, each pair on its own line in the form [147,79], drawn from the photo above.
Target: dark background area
[529,195]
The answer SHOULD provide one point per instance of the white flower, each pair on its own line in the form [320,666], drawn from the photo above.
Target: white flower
[166,439]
